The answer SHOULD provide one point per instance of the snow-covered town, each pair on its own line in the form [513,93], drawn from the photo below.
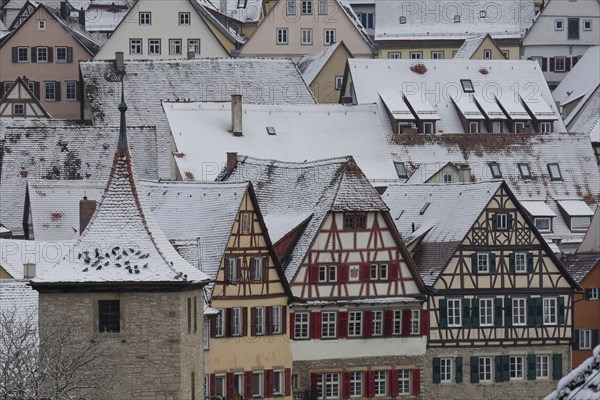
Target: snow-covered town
[299,199]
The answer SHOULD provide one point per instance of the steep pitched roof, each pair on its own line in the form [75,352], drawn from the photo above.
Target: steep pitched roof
[470,46]
[20,91]
[248,11]
[302,132]
[15,253]
[583,382]
[122,242]
[311,64]
[19,301]
[580,264]
[423,21]
[591,241]
[313,189]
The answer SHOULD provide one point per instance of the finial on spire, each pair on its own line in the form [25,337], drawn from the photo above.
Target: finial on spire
[122,147]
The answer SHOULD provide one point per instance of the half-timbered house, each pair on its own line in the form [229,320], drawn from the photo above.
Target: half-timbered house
[501,303]
[20,101]
[358,327]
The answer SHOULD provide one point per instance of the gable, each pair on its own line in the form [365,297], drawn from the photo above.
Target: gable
[20,102]
[488,44]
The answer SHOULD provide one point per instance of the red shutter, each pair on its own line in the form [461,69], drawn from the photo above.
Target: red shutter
[343,272]
[238,268]
[416,381]
[265,271]
[269,320]
[316,325]
[248,384]
[213,384]
[343,324]
[292,328]
[213,326]
[370,383]
[313,382]
[368,325]
[313,274]
[394,383]
[230,387]
[228,323]
[283,320]
[268,383]
[551,63]
[406,322]
[288,381]
[244,321]
[394,271]
[253,321]
[425,322]
[346,385]
[365,272]
[388,323]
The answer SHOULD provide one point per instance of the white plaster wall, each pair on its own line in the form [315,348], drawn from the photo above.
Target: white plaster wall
[310,350]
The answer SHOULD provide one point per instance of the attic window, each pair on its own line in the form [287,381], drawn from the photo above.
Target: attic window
[524,170]
[242,3]
[495,169]
[271,130]
[554,171]
[467,85]
[424,208]
[457,18]
[401,170]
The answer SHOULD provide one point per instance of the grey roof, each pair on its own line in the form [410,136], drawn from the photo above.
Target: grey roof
[311,64]
[310,189]
[18,301]
[450,214]
[580,264]
[43,149]
[469,46]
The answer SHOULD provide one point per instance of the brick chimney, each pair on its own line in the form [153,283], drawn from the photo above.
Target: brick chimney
[231,162]
[236,114]
[86,210]
[464,173]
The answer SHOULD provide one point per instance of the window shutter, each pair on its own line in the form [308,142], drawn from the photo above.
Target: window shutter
[416,376]
[15,55]
[313,383]
[425,323]
[539,312]
[544,64]
[34,54]
[313,273]
[388,323]
[475,312]
[530,263]
[406,316]
[244,321]
[317,323]
[393,383]
[531,311]
[269,320]
[343,272]
[368,324]
[50,54]
[213,384]
[507,311]
[394,271]
[228,323]
[505,368]
[511,263]
[36,89]
[459,369]
[69,54]
[346,385]
[567,63]
[268,392]
[561,310]
[551,64]
[498,306]
[443,313]
[238,268]
[531,367]
[474,263]
[288,381]
[498,369]
[492,263]
[253,321]
[494,222]
[509,219]
[370,383]
[594,338]
[212,323]
[57,89]
[557,366]
[292,326]
[436,370]
[466,321]
[574,61]
[474,369]
[283,321]
[587,294]
[248,384]
[342,324]
[265,269]
[230,387]
[576,339]
[365,272]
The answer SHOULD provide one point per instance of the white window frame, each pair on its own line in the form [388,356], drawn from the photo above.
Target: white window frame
[258,382]
[193,45]
[594,294]
[517,367]
[563,64]
[301,325]
[290,7]
[437,55]
[22,50]
[220,385]
[18,109]
[383,272]
[487,54]
[175,47]
[585,339]
[380,383]
[502,221]
[495,169]
[550,308]
[306,7]
[206,334]
[50,91]
[542,366]
[520,262]
[339,80]
[539,223]
[238,383]
[587,25]
[332,273]
[377,323]
[545,127]
[322,273]
[329,36]
[42,50]
[135,46]
[404,381]
[356,384]
[397,322]
[559,25]
[483,263]
[59,58]
[145,18]
[446,369]
[232,270]
[415,55]
[473,127]
[154,47]
[485,369]
[394,55]
[306,36]
[282,36]
[448,177]
[323,7]
[355,322]
[71,90]
[329,325]
[220,323]
[428,128]
[246,221]
[519,311]
[42,25]
[278,383]
[454,318]
[184,18]
[374,272]
[415,322]
[276,320]
[525,171]
[496,127]
[486,312]
[260,321]
[328,386]
[554,171]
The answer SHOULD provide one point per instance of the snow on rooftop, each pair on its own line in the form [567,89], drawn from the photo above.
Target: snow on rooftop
[512,106]
[468,107]
[423,108]
[538,107]
[396,105]
[15,253]
[469,46]
[538,208]
[582,383]
[281,224]
[576,208]
[491,108]
[589,120]
[311,64]
[19,300]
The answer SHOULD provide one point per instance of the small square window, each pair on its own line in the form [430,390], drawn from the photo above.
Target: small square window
[242,3]
[559,25]
[554,171]
[587,24]
[543,224]
[519,127]
[145,18]
[109,316]
[184,18]
[401,170]
[448,177]
[394,55]
[467,86]
[524,170]
[282,36]
[495,169]
[61,55]
[18,109]
[437,55]
[42,25]
[559,64]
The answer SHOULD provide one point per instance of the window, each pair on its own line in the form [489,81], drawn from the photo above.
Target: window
[448,178]
[487,54]
[506,54]
[338,82]
[206,334]
[301,325]
[236,321]
[220,386]
[184,18]
[445,369]
[231,274]
[543,224]
[276,320]
[593,294]
[404,381]
[402,19]
[519,127]
[367,19]
[257,384]
[329,36]
[545,127]
[520,263]
[238,384]
[559,64]
[486,312]
[135,46]
[50,91]
[356,384]
[467,86]
[415,322]
[306,8]
[322,7]
[42,54]
[175,47]
[145,18]
[328,325]
[282,36]
[496,127]
[374,272]
[328,386]
[42,25]
[291,7]
[6,85]
[437,55]
[401,170]
[242,3]
[416,55]
[322,273]
[355,221]
[473,127]
[71,90]
[257,269]
[154,47]
[31,85]
[585,339]
[573,28]
[519,316]
[456,18]
[554,171]
[397,322]
[260,321]
[380,383]
[328,273]
[428,127]
[220,324]
[495,169]
[306,36]
[61,55]
[454,312]
[542,367]
[394,55]
[485,369]
[18,109]
[559,24]
[22,54]
[194,46]
[109,316]
[516,367]
[501,222]
[550,311]
[587,24]
[278,383]
[483,265]
[246,221]
[377,323]
[355,323]
[332,276]
[524,171]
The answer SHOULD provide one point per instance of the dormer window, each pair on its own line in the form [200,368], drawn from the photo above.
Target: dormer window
[402,19]
[543,224]
[456,18]
[428,127]
[401,170]
[473,127]
[554,171]
[467,86]
[495,169]
[524,170]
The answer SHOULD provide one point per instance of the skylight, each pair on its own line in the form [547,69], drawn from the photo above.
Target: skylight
[457,18]
[271,130]
[467,85]
[402,19]
[401,170]
[524,170]
[554,171]
[495,169]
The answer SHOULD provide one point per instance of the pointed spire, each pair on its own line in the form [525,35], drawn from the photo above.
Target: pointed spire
[123,130]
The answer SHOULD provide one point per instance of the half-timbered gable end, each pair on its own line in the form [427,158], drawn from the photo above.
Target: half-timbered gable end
[495,283]
[20,101]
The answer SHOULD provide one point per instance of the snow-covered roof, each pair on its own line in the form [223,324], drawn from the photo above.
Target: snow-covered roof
[574,208]
[582,383]
[318,187]
[103,16]
[202,134]
[311,64]
[468,106]
[538,107]
[589,121]
[494,83]
[446,211]
[469,46]
[54,149]
[395,105]
[248,11]
[538,208]
[579,265]
[18,301]
[15,253]
[357,302]
[409,20]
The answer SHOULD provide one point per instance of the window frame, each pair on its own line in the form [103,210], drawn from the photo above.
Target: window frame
[485,369]
[380,383]
[182,18]
[282,36]
[18,112]
[545,127]
[486,312]
[290,7]
[587,25]
[540,219]
[220,385]
[377,323]
[426,125]
[473,127]
[467,86]
[238,383]
[306,33]
[174,44]
[323,7]
[41,25]
[236,321]
[327,36]
[355,324]
[397,321]
[153,45]
[483,263]
[42,50]
[195,44]
[454,305]
[553,169]
[501,221]
[306,7]
[256,273]
[300,324]
[107,308]
[259,326]
[559,24]
[524,171]
[329,385]
[70,85]
[59,59]
[550,310]
[401,169]
[352,219]
[329,325]
[356,383]
[144,18]
[394,55]
[276,320]
[594,293]
[520,262]
[415,55]
[258,382]
[415,322]
[519,311]
[446,369]
[47,85]
[136,42]
[516,367]
[231,263]
[448,177]
[220,323]
[585,339]
[541,366]
[404,381]
[495,170]
[487,54]
[25,52]
[339,80]
[435,55]
[562,67]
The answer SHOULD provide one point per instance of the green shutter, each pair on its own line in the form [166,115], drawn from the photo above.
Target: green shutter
[15,55]
[443,313]
[474,263]
[498,306]
[576,339]
[505,368]
[69,54]
[531,311]
[530,263]
[510,220]
[557,366]
[436,370]
[34,54]
[458,363]
[511,263]
[492,257]
[539,311]
[494,222]
[466,320]
[594,338]
[57,90]
[50,54]
[475,312]
[474,369]
[531,367]
[498,369]
[561,310]
[507,311]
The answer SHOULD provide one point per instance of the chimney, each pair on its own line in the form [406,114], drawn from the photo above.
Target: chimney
[231,162]
[86,210]
[236,114]
[64,9]
[464,173]
[82,17]
[223,7]
[28,270]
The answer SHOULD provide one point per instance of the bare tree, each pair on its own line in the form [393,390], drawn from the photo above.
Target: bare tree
[56,365]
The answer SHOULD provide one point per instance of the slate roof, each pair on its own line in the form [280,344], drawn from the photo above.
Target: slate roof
[582,383]
[508,19]
[311,188]
[469,46]
[14,253]
[450,215]
[302,132]
[589,121]
[53,149]
[424,155]
[19,300]
[311,64]
[580,264]
[513,82]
